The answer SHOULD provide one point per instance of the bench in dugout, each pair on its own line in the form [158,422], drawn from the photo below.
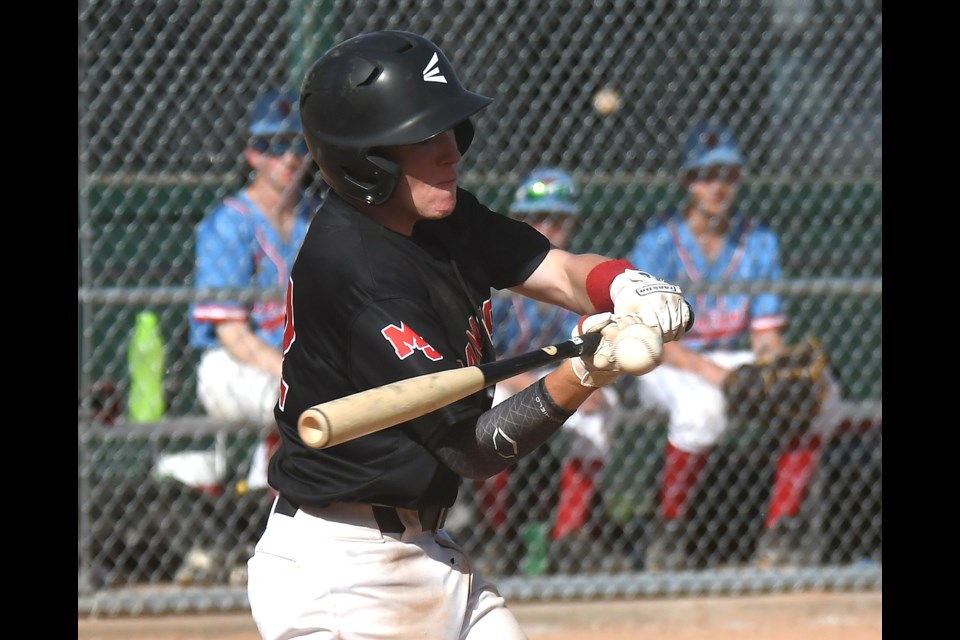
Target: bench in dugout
[151,494]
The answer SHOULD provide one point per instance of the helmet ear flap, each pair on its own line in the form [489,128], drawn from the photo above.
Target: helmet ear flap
[371,180]
[385,176]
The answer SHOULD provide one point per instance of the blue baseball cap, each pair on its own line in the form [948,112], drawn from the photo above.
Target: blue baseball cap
[546,190]
[709,145]
[275,113]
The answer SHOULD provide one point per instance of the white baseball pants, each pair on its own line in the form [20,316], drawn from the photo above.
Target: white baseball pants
[331,573]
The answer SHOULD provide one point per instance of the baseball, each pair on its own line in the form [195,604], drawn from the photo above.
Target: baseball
[606,101]
[639,349]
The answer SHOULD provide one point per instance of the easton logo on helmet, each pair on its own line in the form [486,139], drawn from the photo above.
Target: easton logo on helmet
[431,72]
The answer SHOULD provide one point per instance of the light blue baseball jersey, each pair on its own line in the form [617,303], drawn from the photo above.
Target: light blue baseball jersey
[751,251]
[237,247]
[521,324]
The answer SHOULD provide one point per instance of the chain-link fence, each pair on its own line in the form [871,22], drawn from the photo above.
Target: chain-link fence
[164,89]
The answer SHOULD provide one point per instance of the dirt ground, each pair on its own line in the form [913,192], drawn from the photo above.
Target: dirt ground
[813,616]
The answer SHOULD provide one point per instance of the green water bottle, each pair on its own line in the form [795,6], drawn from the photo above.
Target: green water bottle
[146,358]
[537,539]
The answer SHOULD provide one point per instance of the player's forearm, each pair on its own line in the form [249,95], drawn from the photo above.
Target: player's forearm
[245,347]
[565,387]
[508,431]
[521,381]
[561,280]
[680,357]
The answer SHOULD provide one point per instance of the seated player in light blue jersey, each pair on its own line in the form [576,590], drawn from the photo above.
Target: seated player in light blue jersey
[249,240]
[563,500]
[709,239]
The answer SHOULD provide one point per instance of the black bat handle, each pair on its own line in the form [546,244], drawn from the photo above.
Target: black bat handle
[590,343]
[499,370]
[494,372]
[692,317]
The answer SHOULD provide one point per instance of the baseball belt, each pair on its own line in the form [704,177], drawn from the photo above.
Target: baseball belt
[387,518]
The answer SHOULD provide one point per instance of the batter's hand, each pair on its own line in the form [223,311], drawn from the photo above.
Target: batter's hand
[598,369]
[658,303]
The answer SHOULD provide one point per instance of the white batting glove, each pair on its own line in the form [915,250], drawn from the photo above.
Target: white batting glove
[657,303]
[598,369]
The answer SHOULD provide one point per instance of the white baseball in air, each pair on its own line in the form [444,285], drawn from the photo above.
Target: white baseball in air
[606,101]
[638,349]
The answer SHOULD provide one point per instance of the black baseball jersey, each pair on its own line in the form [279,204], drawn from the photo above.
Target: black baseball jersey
[367,306]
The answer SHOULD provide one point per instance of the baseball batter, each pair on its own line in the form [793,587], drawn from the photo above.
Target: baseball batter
[394,280]
[709,239]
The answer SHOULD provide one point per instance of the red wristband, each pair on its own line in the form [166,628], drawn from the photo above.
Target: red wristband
[599,280]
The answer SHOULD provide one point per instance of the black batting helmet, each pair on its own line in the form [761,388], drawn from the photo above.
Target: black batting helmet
[377,90]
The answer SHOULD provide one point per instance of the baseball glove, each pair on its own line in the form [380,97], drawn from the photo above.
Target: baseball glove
[786,389]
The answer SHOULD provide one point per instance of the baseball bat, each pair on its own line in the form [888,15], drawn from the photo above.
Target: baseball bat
[359,414]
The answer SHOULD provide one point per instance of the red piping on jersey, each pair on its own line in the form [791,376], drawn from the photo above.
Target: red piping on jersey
[218,313]
[763,323]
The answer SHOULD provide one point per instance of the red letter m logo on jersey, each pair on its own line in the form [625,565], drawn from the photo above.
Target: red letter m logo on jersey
[405,341]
